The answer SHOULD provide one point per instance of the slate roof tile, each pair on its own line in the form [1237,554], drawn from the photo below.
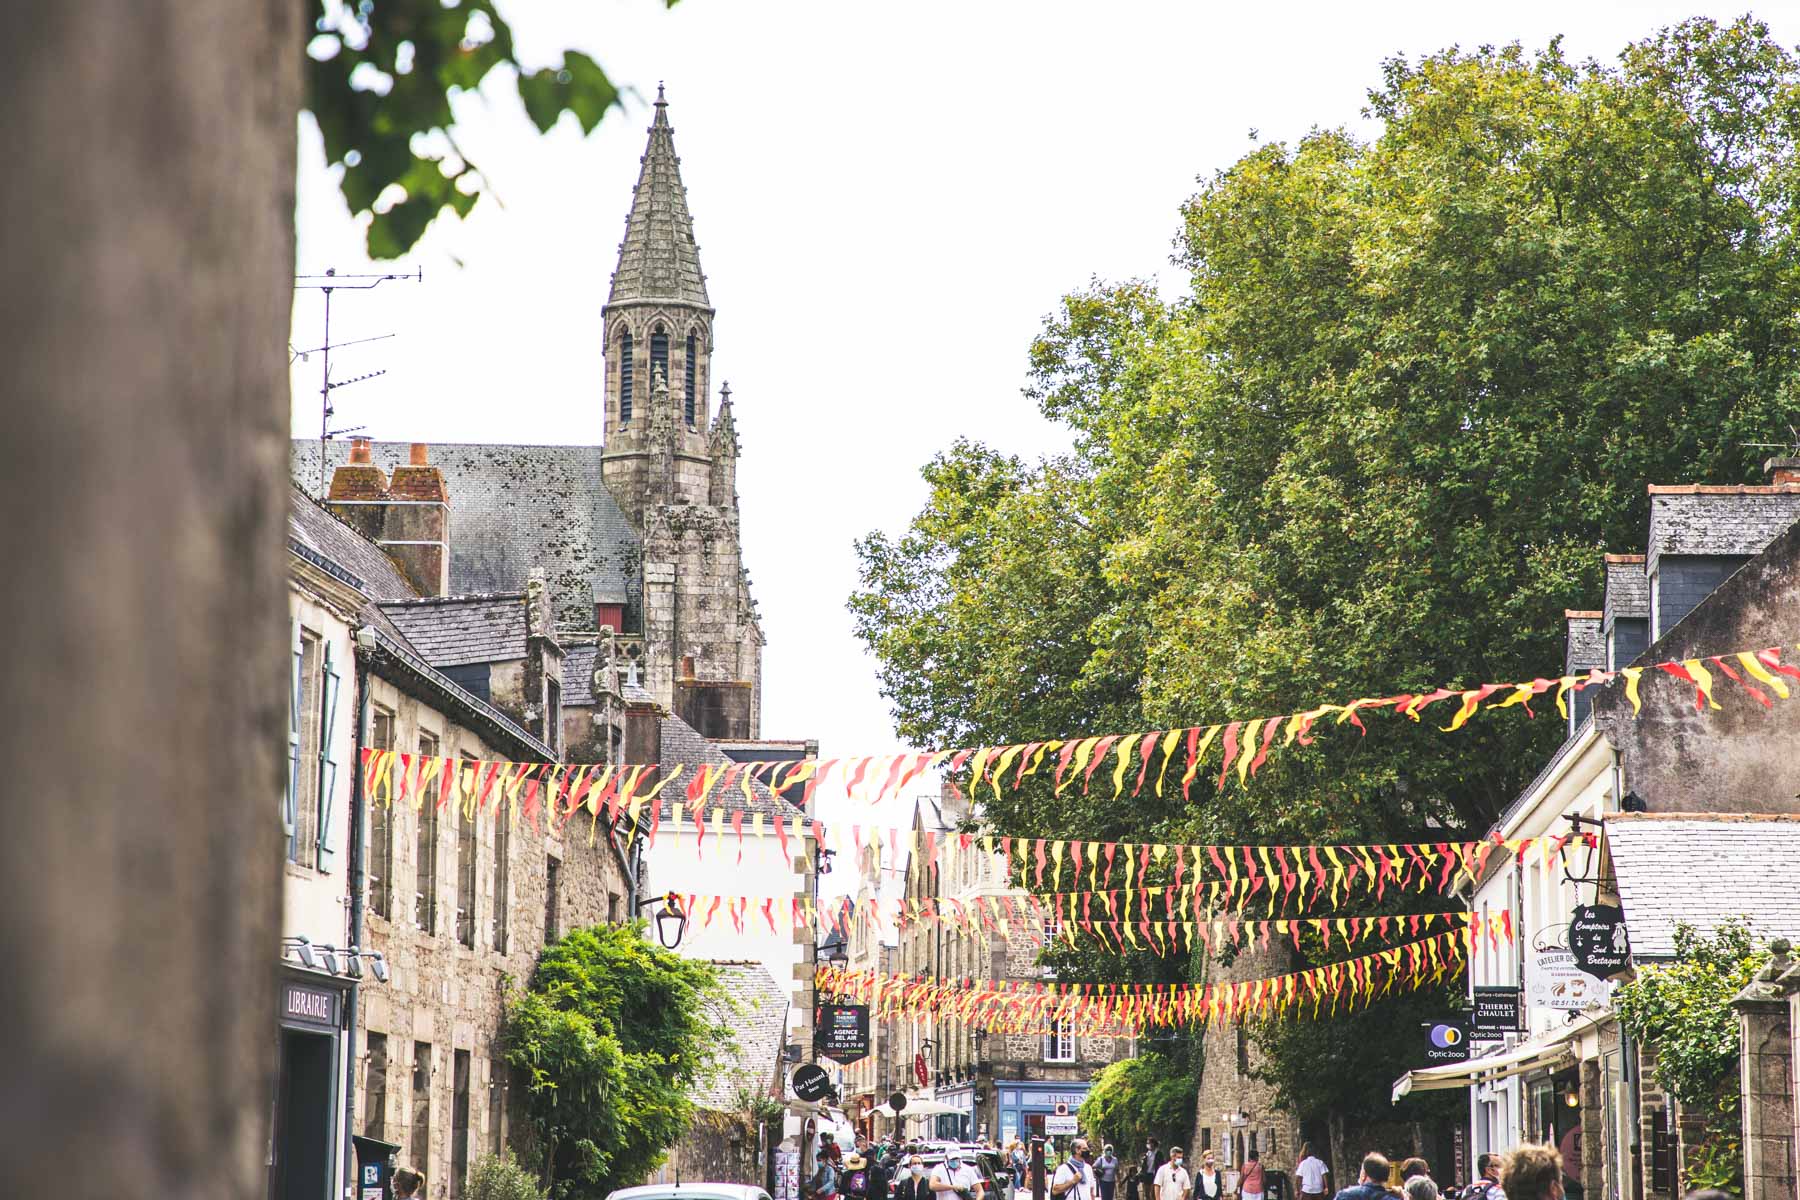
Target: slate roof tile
[453,630]
[756,1009]
[1704,868]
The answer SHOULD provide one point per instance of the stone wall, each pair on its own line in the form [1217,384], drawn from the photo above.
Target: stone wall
[1228,1057]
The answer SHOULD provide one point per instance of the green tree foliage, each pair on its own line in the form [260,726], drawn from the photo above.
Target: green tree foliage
[1414,389]
[612,1034]
[380,78]
[1152,1095]
[500,1177]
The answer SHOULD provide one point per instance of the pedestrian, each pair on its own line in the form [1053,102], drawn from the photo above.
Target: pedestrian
[408,1184]
[1311,1174]
[855,1183]
[1148,1164]
[1252,1184]
[1106,1169]
[956,1179]
[1487,1181]
[1413,1168]
[1018,1162]
[1420,1187]
[880,1180]
[1172,1180]
[1372,1185]
[822,1183]
[913,1184]
[1532,1173]
[1207,1184]
[1073,1180]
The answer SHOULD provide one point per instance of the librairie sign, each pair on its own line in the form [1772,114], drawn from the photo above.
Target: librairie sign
[1496,1012]
[1597,940]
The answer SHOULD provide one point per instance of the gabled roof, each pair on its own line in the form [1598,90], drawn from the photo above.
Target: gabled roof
[1703,869]
[324,534]
[756,1010]
[682,743]
[658,259]
[452,630]
[513,508]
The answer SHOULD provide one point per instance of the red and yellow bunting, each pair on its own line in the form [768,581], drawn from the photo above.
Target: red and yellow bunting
[1011,1006]
[1150,758]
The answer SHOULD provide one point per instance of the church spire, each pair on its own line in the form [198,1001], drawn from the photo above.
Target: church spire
[658,260]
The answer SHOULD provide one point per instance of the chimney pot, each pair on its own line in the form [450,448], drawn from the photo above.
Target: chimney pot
[359,451]
[1783,472]
[421,454]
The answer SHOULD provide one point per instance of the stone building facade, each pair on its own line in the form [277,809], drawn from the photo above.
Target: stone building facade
[1003,1084]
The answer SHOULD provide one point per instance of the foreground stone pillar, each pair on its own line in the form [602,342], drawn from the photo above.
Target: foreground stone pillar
[146,249]
[1766,1078]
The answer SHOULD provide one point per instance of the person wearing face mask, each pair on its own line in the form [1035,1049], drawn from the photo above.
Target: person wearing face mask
[1172,1179]
[913,1184]
[1106,1170]
[1207,1184]
[1074,1178]
[956,1179]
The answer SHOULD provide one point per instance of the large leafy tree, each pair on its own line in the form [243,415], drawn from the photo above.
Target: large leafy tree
[611,1035]
[381,76]
[1415,387]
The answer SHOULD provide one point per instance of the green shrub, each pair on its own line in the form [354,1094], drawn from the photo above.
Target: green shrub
[500,1177]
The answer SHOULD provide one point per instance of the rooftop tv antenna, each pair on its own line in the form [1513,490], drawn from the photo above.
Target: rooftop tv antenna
[329,283]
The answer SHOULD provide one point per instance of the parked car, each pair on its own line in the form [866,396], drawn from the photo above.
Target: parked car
[691,1191]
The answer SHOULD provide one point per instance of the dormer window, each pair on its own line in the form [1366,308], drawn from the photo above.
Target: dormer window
[692,366]
[625,377]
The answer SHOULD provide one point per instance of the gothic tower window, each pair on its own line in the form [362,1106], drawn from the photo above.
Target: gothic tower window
[659,357]
[692,360]
[625,377]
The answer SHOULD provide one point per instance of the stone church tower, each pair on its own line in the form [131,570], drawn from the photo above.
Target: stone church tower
[670,460]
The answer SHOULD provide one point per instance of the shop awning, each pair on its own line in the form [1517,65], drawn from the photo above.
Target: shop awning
[920,1108]
[1550,1050]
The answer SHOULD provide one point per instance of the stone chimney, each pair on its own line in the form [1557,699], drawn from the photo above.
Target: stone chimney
[1783,472]
[359,492]
[408,516]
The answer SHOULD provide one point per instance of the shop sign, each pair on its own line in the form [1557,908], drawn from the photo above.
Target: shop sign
[1597,940]
[841,1032]
[1555,982]
[810,1082]
[1446,1041]
[921,1072]
[309,1005]
[1496,1012]
[1061,1126]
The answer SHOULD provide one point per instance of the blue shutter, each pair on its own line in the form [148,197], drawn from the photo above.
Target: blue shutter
[327,764]
[289,811]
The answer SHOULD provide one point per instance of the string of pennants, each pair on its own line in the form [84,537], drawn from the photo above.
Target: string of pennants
[1160,932]
[1239,873]
[1243,746]
[1014,1006]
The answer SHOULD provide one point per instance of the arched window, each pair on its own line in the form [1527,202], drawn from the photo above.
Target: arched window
[625,377]
[692,361]
[659,357]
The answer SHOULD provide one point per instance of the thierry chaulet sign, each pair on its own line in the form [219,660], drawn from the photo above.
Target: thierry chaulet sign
[1496,1012]
[1597,940]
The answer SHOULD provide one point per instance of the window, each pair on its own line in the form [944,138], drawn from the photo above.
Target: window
[459,1122]
[1059,1043]
[425,858]
[303,748]
[381,826]
[692,365]
[1243,1052]
[465,875]
[612,908]
[550,898]
[497,1089]
[375,1088]
[420,1149]
[553,715]
[1205,1139]
[625,371]
[502,881]
[659,358]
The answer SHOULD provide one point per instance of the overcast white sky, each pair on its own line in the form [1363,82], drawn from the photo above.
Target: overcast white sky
[888,200]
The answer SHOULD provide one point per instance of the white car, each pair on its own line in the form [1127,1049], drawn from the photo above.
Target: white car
[691,1191]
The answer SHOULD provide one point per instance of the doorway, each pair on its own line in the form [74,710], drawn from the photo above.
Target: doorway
[305,1116]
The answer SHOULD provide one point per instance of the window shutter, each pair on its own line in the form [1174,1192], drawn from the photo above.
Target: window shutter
[289,812]
[328,698]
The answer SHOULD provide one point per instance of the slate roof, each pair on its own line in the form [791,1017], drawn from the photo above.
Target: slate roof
[1585,645]
[658,259]
[1627,588]
[578,675]
[756,1010]
[1704,868]
[1723,521]
[452,630]
[682,743]
[515,507]
[324,534]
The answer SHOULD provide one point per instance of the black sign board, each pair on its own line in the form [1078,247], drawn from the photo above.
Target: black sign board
[1496,1012]
[303,1005]
[810,1082]
[897,1101]
[841,1031]
[1597,940]
[1446,1041]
